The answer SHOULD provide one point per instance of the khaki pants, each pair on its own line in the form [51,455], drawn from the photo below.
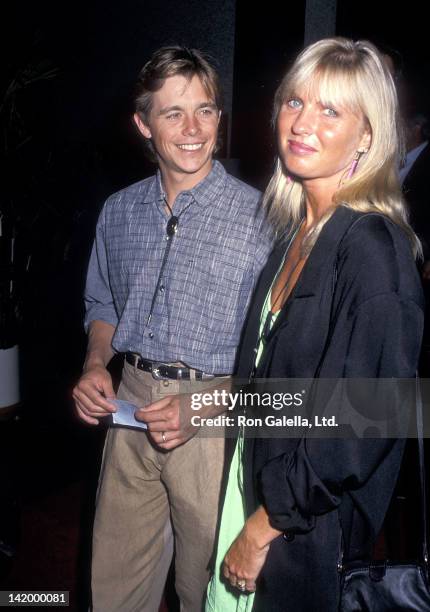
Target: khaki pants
[140,491]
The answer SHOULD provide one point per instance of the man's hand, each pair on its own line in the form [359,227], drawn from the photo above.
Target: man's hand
[91,395]
[169,420]
[95,385]
[247,554]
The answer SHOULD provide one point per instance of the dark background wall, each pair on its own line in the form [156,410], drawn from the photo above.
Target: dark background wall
[98,48]
[266,41]
[401,27]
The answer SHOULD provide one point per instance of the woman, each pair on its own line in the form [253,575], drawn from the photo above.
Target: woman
[340,298]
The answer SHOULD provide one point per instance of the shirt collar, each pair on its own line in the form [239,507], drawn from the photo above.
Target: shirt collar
[205,192]
[153,190]
[410,159]
[414,153]
[211,187]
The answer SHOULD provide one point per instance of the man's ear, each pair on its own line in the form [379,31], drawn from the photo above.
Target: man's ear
[141,126]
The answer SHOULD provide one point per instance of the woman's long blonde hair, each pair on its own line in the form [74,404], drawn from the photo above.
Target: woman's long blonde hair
[352,75]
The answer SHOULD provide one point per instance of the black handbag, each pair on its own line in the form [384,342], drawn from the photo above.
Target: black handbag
[387,587]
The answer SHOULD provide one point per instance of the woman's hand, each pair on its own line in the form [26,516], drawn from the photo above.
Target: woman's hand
[247,554]
[243,562]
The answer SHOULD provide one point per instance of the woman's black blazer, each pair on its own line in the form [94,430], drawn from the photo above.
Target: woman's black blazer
[355,312]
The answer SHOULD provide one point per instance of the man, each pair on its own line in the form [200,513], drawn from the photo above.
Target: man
[414,179]
[174,263]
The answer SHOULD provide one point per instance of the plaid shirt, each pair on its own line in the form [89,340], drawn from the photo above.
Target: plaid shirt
[222,243]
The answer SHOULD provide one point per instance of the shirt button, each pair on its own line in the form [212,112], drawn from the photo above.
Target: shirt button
[150,335]
[162,287]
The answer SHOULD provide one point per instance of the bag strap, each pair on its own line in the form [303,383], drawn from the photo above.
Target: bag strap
[420,440]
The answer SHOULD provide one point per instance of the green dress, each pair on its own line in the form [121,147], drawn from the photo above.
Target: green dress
[220,597]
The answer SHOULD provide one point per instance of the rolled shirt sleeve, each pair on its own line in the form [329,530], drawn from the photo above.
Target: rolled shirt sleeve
[99,304]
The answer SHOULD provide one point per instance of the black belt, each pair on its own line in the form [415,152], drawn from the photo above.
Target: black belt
[161,370]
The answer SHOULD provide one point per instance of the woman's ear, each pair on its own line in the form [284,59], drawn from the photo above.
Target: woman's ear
[366,140]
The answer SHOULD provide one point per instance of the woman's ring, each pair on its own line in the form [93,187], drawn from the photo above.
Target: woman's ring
[241,585]
[163,436]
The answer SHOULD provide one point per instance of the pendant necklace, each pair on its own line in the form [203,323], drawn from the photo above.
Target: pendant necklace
[270,315]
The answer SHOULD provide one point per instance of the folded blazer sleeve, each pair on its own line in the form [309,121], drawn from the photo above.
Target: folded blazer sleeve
[376,332]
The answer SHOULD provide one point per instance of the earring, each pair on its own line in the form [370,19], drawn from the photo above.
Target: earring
[355,161]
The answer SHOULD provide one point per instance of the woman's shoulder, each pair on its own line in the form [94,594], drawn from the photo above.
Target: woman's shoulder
[374,230]
[372,234]
[377,253]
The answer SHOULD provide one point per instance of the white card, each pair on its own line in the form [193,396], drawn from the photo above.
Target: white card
[124,414]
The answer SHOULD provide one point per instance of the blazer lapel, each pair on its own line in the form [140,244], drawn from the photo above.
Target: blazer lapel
[246,354]
[323,252]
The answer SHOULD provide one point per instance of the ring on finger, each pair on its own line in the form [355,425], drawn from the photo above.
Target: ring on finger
[241,585]
[163,436]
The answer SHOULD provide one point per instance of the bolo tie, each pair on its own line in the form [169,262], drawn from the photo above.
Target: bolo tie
[171,229]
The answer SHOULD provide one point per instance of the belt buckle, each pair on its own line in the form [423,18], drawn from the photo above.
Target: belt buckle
[155,372]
